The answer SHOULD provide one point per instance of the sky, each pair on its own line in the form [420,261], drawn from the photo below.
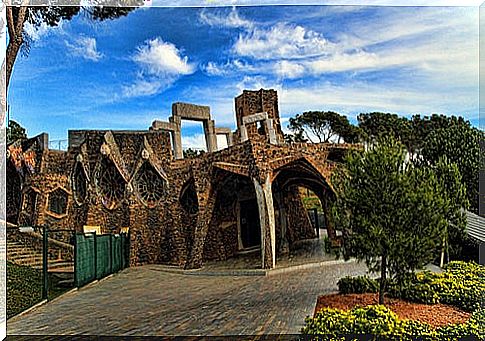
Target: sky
[125,73]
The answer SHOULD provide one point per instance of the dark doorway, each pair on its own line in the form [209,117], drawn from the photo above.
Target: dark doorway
[250,228]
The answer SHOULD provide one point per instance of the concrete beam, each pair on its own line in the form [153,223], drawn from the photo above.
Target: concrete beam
[161,125]
[191,111]
[261,116]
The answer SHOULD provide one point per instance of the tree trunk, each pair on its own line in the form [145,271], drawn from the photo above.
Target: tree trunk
[11,55]
[15,27]
[382,283]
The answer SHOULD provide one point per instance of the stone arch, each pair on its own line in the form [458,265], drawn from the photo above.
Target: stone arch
[188,197]
[14,193]
[300,173]
[110,184]
[234,226]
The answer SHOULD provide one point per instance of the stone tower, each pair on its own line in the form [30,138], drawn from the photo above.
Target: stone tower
[257,115]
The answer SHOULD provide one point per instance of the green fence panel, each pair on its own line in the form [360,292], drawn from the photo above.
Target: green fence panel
[116,253]
[85,261]
[103,256]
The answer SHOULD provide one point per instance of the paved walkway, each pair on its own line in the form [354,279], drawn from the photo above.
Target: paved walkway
[144,301]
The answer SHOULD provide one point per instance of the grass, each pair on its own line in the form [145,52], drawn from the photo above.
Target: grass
[24,288]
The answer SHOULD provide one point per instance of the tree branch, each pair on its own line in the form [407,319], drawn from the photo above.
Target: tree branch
[10,24]
[21,18]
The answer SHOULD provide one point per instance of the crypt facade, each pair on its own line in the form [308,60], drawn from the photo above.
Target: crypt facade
[179,211]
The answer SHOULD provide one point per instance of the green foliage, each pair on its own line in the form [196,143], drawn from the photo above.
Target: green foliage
[381,322]
[357,285]
[392,213]
[190,153]
[376,125]
[432,137]
[322,125]
[15,132]
[461,285]
[24,288]
[461,145]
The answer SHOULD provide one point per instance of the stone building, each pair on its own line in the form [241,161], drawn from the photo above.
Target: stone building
[179,211]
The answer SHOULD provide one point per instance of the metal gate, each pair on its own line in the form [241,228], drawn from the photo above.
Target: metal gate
[97,256]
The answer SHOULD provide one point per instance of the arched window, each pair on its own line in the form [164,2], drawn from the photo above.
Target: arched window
[14,193]
[79,183]
[110,184]
[57,202]
[188,198]
[29,207]
[150,186]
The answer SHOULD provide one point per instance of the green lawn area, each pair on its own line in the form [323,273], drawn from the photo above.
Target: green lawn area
[24,288]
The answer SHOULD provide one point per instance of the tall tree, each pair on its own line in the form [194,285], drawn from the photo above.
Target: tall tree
[321,126]
[460,143]
[454,189]
[377,124]
[393,214]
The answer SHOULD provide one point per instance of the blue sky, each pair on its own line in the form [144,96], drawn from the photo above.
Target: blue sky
[124,73]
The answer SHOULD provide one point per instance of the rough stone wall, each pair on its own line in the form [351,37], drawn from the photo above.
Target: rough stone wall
[252,102]
[166,232]
[299,226]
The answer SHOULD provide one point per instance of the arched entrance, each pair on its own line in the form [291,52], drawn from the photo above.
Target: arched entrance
[235,226]
[292,222]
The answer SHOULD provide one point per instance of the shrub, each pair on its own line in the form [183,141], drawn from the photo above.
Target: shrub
[357,285]
[379,321]
[461,285]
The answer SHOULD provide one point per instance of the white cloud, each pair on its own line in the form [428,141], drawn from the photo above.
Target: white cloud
[161,65]
[196,141]
[162,58]
[215,69]
[85,47]
[142,87]
[282,41]
[36,33]
[363,97]
[221,19]
[288,69]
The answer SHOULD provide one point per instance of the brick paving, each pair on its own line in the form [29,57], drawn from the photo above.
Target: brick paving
[147,301]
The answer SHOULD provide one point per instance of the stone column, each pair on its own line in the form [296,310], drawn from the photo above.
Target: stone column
[229,139]
[210,135]
[264,197]
[177,137]
[243,133]
[270,131]
[284,247]
[328,220]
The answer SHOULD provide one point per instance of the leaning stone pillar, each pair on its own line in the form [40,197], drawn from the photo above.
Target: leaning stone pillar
[284,246]
[210,135]
[264,197]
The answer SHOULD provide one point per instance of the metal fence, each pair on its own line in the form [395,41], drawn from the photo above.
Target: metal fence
[97,256]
